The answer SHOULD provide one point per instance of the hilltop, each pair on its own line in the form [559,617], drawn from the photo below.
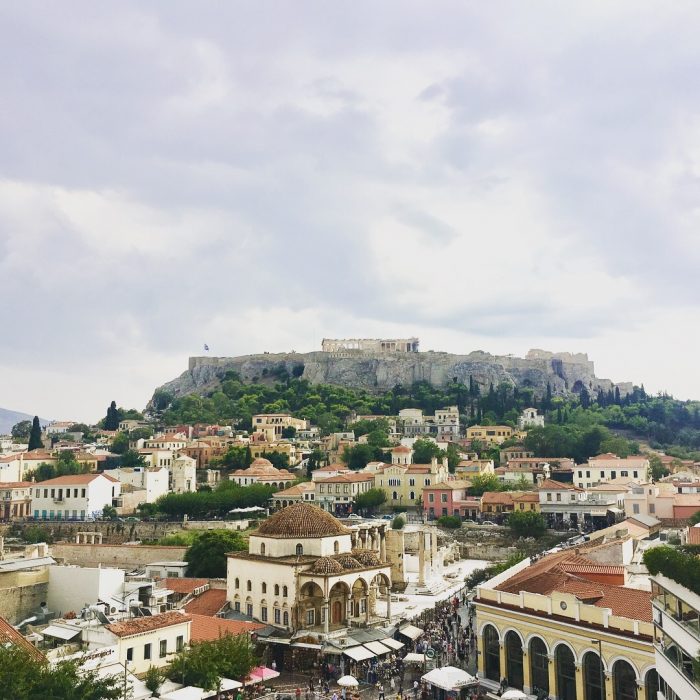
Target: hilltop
[377,372]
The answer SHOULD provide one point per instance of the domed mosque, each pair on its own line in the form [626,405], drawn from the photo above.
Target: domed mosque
[304,572]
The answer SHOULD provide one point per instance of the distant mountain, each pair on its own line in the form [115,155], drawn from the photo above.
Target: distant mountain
[10,418]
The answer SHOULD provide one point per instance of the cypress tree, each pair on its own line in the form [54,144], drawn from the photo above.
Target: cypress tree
[617,395]
[35,435]
[112,419]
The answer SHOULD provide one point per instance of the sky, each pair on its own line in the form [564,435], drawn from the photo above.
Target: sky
[257,176]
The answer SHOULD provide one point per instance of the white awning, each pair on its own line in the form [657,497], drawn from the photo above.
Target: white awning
[449,678]
[359,653]
[189,692]
[412,657]
[392,643]
[61,632]
[224,685]
[378,648]
[411,632]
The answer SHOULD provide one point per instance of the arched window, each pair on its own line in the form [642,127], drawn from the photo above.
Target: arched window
[395,496]
[277,589]
[300,550]
[593,677]
[284,591]
[248,585]
[262,548]
[539,665]
[514,660]
[624,681]
[651,683]
[285,619]
[566,673]
[336,547]
[237,584]
[412,496]
[264,588]
[492,654]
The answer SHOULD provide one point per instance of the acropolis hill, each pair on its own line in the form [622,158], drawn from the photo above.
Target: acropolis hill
[377,365]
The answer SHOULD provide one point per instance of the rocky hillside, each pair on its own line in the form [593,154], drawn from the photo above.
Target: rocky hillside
[378,372]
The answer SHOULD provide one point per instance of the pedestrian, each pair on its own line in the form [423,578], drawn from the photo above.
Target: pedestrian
[297,692]
[415,690]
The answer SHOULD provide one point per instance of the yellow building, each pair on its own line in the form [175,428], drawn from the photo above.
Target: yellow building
[271,425]
[404,483]
[490,434]
[547,624]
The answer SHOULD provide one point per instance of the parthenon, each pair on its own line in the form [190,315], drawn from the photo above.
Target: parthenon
[370,344]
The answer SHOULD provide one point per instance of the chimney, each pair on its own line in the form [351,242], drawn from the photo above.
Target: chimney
[540,479]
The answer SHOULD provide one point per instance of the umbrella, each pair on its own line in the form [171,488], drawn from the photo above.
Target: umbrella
[513,694]
[348,681]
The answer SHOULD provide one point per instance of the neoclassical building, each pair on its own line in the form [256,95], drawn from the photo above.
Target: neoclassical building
[261,471]
[305,571]
[566,625]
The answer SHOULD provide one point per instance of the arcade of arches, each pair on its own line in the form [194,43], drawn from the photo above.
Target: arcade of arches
[532,665]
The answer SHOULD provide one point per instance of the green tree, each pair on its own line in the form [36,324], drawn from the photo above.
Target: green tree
[153,679]
[483,483]
[206,557]
[289,432]
[109,513]
[694,518]
[398,522]
[120,444]
[358,456]
[131,458]
[33,534]
[161,399]
[279,459]
[44,471]
[25,677]
[425,450]
[527,523]
[112,418]
[451,522]
[314,461]
[453,457]
[35,435]
[67,464]
[370,500]
[656,468]
[21,430]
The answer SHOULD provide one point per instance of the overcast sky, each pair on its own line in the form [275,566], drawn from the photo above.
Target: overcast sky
[256,176]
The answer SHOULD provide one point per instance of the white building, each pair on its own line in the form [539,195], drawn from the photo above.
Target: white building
[154,480]
[183,474]
[529,418]
[677,640]
[74,497]
[143,641]
[72,588]
[607,467]
[305,571]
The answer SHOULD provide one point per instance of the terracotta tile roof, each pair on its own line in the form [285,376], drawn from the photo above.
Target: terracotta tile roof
[497,497]
[401,448]
[296,490]
[184,585]
[138,625]
[334,468]
[551,485]
[207,603]
[9,635]
[205,628]
[453,485]
[549,574]
[15,485]
[528,497]
[346,478]
[70,479]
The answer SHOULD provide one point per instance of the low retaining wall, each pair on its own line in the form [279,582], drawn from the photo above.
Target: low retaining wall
[119,556]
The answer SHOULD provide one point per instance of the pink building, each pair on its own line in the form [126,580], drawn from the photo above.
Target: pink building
[449,498]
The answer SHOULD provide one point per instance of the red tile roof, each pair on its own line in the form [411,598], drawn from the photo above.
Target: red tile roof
[208,603]
[551,485]
[9,635]
[184,584]
[138,625]
[70,479]
[205,628]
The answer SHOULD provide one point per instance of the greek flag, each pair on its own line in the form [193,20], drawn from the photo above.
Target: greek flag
[206,347]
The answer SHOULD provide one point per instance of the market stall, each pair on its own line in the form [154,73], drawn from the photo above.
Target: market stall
[450,683]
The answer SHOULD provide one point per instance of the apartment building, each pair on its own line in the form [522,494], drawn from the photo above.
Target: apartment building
[74,496]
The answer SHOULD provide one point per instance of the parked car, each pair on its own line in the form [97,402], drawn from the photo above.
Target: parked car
[387,517]
[489,523]
[354,516]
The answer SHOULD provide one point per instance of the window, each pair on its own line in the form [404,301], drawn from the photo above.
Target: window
[427,482]
[652,507]
[262,548]
[336,547]
[320,488]
[411,482]
[558,497]
[549,496]
[163,650]
[249,585]
[443,497]
[263,614]
[179,643]
[285,619]
[249,609]
[431,497]
[624,473]
[310,617]
[277,616]
[284,591]
[237,584]
[82,493]
[277,589]
[635,474]
[237,606]
[412,496]
[147,651]
[394,496]
[264,587]
[130,654]
[580,475]
[635,508]
[300,550]
[588,474]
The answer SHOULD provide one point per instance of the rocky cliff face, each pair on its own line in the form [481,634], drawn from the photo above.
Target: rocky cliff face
[377,372]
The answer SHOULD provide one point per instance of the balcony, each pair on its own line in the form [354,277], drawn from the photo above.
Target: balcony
[676,674]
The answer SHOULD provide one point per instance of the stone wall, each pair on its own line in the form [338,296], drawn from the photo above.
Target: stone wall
[126,557]
[21,593]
